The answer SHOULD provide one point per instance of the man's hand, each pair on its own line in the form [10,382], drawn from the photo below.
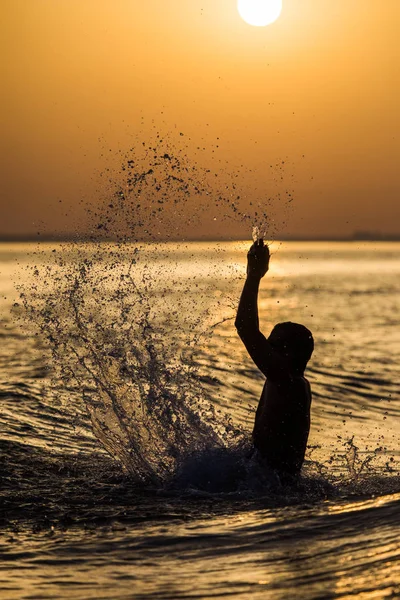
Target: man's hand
[258,259]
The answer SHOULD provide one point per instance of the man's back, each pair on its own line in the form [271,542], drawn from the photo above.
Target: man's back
[282,423]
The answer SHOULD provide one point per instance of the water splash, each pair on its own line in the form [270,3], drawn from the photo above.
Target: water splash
[124,335]
[164,188]
[120,323]
[259,232]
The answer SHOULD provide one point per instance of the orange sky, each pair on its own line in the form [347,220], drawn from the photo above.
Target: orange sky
[82,78]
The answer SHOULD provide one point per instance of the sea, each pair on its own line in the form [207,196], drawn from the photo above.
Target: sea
[127,404]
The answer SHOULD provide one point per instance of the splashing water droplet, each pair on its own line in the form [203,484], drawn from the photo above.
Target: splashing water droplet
[259,232]
[256,234]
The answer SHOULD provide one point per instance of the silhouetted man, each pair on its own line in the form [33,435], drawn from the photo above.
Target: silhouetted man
[282,420]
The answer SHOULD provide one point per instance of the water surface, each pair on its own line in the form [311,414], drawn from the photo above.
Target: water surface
[186,516]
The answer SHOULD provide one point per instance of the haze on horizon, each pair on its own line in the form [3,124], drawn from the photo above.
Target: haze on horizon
[318,89]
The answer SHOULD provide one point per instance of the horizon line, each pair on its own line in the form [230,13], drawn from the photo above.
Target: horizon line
[54,237]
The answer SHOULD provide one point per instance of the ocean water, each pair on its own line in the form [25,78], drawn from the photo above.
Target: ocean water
[127,402]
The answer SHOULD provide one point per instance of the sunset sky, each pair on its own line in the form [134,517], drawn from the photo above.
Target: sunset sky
[83,80]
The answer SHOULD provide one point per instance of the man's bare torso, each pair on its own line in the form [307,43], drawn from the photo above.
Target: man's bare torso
[282,423]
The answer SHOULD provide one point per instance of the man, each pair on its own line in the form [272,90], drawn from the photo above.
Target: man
[282,421]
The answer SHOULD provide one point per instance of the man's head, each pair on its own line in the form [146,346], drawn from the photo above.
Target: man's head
[295,341]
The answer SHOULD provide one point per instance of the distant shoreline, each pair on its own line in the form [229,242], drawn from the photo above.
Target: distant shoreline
[84,238]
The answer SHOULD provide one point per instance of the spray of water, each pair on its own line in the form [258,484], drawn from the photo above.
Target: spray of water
[123,331]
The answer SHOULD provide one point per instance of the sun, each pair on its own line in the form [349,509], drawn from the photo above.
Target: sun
[259,12]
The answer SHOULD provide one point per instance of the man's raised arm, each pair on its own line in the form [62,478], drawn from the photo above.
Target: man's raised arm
[247,315]
[246,321]
[270,362]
